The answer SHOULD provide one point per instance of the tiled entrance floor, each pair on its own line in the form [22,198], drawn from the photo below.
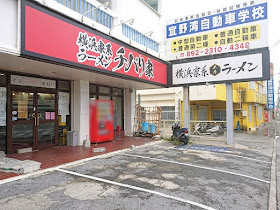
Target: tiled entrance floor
[65,154]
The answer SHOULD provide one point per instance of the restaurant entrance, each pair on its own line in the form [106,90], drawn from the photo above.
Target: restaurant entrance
[33,119]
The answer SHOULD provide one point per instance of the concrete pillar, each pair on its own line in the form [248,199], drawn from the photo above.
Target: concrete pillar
[129,110]
[229,108]
[187,114]
[80,109]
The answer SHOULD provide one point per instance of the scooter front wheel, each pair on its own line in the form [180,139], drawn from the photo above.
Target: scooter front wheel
[172,138]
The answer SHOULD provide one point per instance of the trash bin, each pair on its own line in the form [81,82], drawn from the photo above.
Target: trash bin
[145,126]
[153,128]
[119,127]
[72,138]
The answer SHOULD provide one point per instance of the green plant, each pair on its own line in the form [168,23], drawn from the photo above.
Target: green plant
[167,138]
[176,142]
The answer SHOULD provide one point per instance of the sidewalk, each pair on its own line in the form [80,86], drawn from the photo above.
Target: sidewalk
[261,140]
[59,155]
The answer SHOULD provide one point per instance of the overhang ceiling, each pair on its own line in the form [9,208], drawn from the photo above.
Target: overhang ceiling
[24,65]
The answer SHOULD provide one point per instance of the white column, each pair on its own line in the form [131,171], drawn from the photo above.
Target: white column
[187,116]
[80,109]
[129,110]
[229,107]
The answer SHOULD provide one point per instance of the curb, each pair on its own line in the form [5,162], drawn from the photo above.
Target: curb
[272,204]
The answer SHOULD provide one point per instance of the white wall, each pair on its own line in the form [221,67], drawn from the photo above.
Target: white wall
[203,92]
[80,109]
[9,26]
[145,18]
[161,97]
[129,110]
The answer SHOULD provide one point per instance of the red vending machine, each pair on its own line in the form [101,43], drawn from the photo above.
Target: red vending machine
[101,121]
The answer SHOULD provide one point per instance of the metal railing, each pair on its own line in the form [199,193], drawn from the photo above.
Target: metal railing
[96,14]
[166,125]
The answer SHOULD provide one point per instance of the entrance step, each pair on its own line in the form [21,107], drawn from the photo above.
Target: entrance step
[24,150]
[18,166]
[2,154]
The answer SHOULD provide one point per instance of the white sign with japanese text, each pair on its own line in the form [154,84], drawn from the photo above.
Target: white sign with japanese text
[270,94]
[32,81]
[3,102]
[63,103]
[223,69]
[235,28]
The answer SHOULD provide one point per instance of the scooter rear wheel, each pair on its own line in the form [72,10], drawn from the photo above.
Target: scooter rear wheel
[184,139]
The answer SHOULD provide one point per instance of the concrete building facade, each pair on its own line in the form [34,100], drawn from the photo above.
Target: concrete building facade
[58,55]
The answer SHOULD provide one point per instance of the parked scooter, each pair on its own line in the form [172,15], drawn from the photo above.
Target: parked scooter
[208,129]
[181,134]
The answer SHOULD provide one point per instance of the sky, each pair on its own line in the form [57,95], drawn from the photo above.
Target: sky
[179,8]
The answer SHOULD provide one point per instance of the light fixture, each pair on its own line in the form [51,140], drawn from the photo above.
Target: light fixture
[1,74]
[106,5]
[130,21]
[148,34]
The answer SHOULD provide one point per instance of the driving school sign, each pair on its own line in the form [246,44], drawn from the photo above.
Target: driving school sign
[234,28]
[238,68]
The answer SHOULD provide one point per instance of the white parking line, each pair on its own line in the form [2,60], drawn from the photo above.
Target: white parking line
[136,188]
[196,166]
[253,159]
[223,153]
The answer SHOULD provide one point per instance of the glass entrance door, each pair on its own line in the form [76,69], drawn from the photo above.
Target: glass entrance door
[33,119]
[22,119]
[46,119]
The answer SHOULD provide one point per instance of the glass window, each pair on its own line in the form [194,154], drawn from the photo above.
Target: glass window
[168,112]
[260,89]
[105,97]
[104,90]
[202,114]
[250,113]
[219,115]
[3,138]
[153,4]
[22,136]
[3,78]
[92,91]
[3,125]
[22,106]
[109,93]
[192,113]
[260,113]
[46,106]
[117,111]
[117,92]
[63,86]
[253,85]
[63,119]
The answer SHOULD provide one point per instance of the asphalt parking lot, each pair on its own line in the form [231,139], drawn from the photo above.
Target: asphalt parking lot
[158,176]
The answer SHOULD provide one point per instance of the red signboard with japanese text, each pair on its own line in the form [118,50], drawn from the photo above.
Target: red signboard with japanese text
[50,36]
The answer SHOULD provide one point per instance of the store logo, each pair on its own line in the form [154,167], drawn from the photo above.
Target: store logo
[215,70]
